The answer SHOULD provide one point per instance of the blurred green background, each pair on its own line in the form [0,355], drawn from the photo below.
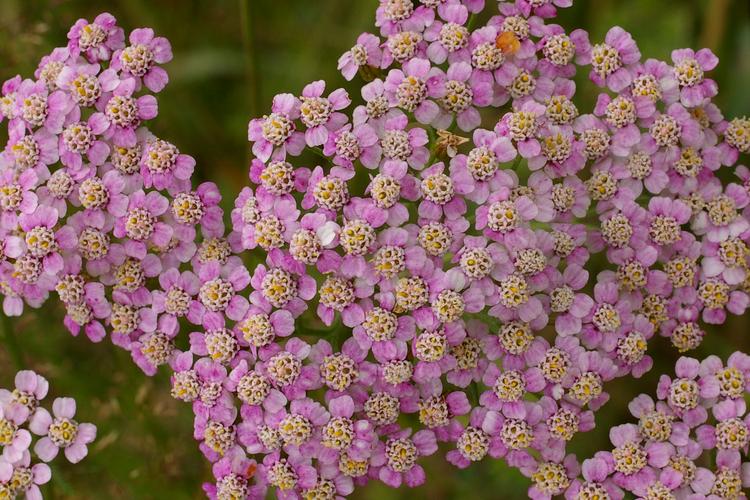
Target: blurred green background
[231,57]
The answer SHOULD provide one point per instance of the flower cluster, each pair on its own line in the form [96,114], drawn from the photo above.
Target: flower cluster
[426,250]
[699,418]
[21,418]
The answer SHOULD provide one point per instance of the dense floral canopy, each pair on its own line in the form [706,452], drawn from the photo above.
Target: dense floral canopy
[425,255]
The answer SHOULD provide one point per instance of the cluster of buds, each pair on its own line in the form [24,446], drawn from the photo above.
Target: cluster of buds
[417,286]
[23,420]
[691,443]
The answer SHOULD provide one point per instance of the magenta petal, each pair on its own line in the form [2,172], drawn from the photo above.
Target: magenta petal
[46,449]
[64,407]
[76,452]
[147,107]
[156,79]
[390,477]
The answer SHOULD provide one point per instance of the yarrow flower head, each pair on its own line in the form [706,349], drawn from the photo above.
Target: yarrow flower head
[470,261]
[26,427]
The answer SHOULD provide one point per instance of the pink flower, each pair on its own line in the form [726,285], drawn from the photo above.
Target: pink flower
[164,167]
[285,370]
[19,439]
[365,52]
[94,243]
[86,83]
[739,361]
[295,466]
[123,113]
[609,319]
[152,347]
[439,194]
[684,394]
[320,114]
[79,138]
[730,224]
[260,327]
[200,207]
[646,410]
[275,134]
[611,60]
[141,225]
[517,82]
[269,215]
[329,193]
[340,292]
[415,88]
[41,240]
[689,68]
[451,275]
[219,292]
[620,115]
[177,296]
[402,144]
[229,471]
[400,15]
[283,285]
[393,472]
[216,343]
[97,40]
[16,195]
[35,151]
[483,165]
[485,56]
[377,107]
[50,66]
[571,307]
[141,57]
[61,431]
[31,388]
[382,331]
[89,313]
[342,409]
[521,126]
[215,401]
[464,93]
[40,108]
[39,474]
[502,215]
[271,399]
[545,9]
[449,39]
[347,145]
[671,129]
[8,99]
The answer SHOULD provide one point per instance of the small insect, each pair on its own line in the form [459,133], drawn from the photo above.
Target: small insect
[448,143]
[250,472]
[508,42]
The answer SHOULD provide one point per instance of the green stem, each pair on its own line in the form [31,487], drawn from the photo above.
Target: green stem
[474,393]
[14,348]
[714,24]
[319,152]
[60,482]
[248,44]
[516,163]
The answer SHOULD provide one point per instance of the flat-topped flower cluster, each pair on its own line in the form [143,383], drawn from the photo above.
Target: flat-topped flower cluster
[425,252]
[689,443]
[24,420]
